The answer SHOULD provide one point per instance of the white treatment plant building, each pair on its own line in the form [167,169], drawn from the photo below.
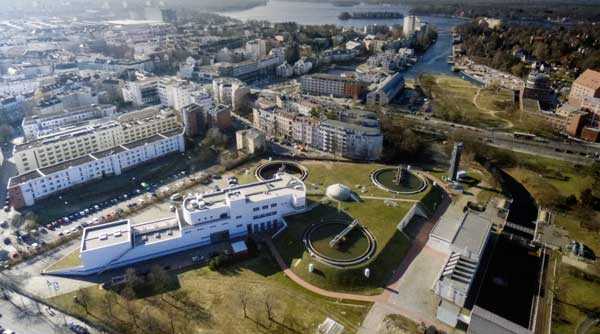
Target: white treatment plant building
[202,219]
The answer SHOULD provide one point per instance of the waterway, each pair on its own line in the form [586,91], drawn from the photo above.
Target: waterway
[511,279]
[434,60]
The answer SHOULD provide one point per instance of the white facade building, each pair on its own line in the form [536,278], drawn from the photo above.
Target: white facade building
[42,125]
[142,92]
[75,142]
[26,188]
[202,219]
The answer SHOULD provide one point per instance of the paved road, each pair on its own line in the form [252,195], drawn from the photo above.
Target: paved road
[23,316]
[569,151]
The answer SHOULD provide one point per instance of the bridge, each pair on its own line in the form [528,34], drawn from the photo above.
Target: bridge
[520,228]
[342,234]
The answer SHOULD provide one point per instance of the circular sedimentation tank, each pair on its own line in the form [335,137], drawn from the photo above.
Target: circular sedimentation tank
[354,248]
[267,170]
[387,179]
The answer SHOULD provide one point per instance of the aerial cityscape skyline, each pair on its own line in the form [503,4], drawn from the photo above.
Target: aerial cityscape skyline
[294,166]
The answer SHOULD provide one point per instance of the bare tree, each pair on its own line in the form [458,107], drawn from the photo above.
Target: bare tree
[129,296]
[110,299]
[83,299]
[243,295]
[269,306]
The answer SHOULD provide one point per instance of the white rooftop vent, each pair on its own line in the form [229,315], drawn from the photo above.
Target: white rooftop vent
[117,234]
[157,235]
[103,237]
[170,232]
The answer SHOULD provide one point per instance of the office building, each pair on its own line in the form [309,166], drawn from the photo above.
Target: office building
[537,87]
[26,188]
[203,219]
[410,25]
[455,161]
[76,142]
[177,93]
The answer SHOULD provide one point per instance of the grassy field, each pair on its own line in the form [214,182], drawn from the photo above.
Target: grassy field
[453,98]
[204,301]
[577,297]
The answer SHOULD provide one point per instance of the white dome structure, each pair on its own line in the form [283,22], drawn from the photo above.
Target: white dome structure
[338,192]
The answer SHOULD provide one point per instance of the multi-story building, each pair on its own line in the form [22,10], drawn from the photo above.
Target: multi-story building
[202,219]
[142,92]
[79,141]
[386,90]
[330,84]
[354,135]
[177,93]
[587,85]
[250,140]
[257,48]
[230,91]
[538,88]
[25,189]
[42,125]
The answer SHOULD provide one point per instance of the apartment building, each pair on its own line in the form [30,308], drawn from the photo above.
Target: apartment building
[230,91]
[42,125]
[177,94]
[79,141]
[28,187]
[354,135]
[142,92]
[334,85]
[587,85]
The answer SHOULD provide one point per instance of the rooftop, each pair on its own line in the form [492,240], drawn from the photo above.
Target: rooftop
[155,231]
[67,164]
[589,78]
[106,235]
[253,192]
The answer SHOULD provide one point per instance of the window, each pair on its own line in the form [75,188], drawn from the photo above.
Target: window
[273,205]
[265,207]
[255,209]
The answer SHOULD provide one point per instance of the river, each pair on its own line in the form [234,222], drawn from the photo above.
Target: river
[434,60]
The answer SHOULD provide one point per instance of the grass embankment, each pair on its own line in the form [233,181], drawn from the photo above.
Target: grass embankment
[206,301]
[70,260]
[379,218]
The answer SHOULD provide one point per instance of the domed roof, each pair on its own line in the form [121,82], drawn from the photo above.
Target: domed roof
[338,192]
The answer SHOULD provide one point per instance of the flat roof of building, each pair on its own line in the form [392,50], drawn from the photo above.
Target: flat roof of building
[108,234]
[156,231]
[281,184]
[67,164]
[22,178]
[473,233]
[143,141]
[112,151]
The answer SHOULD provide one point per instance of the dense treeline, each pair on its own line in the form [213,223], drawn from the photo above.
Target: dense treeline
[511,10]
[571,49]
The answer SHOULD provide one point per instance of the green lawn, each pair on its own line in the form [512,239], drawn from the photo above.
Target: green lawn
[452,100]
[207,301]
[381,221]
[70,260]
